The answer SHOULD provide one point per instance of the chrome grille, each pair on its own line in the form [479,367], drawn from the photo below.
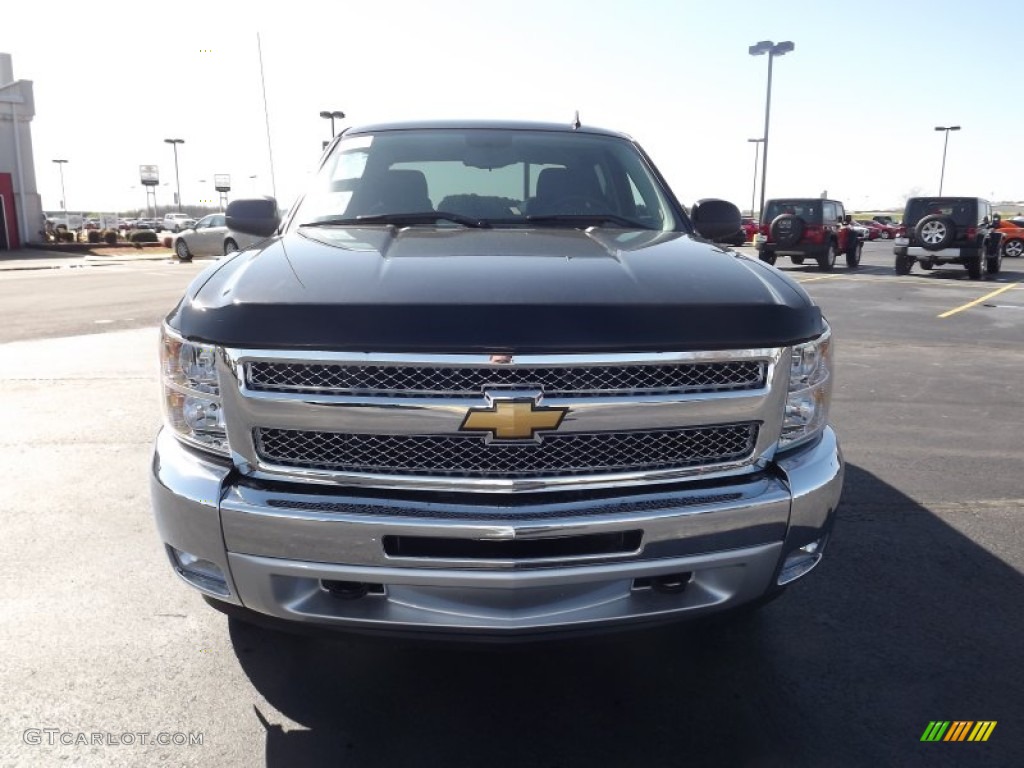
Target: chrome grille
[384,380]
[460,456]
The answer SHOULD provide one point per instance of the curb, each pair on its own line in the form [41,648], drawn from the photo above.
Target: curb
[42,260]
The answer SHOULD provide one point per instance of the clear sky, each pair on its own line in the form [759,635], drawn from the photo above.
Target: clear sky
[854,107]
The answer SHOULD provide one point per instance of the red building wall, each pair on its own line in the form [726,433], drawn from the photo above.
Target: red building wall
[10,215]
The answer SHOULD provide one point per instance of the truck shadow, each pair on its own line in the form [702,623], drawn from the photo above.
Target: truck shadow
[907,621]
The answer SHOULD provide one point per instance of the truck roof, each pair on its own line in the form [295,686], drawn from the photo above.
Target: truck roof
[505,125]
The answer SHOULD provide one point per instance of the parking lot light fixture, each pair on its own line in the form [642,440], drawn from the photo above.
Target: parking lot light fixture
[63,198]
[174,143]
[753,193]
[332,115]
[772,49]
[945,143]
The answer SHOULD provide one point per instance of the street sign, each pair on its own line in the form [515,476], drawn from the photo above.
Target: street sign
[222,182]
[149,175]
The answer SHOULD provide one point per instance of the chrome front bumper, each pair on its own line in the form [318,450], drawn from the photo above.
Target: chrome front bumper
[280,547]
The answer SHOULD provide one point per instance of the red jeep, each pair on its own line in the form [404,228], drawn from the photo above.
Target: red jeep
[807,228]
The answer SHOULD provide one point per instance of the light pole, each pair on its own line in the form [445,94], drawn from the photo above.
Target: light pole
[773,50]
[753,192]
[177,179]
[63,199]
[331,115]
[947,129]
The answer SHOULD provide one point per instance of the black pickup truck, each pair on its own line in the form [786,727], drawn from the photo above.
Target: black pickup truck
[492,379]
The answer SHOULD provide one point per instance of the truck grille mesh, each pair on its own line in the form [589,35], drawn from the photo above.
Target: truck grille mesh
[459,456]
[378,380]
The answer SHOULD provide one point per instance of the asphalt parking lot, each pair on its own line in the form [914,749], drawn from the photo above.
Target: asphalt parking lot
[879,297]
[914,615]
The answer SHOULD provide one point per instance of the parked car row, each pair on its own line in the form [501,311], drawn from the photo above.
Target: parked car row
[934,230]
[867,229]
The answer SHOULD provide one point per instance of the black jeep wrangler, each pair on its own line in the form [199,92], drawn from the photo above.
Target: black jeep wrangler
[807,228]
[949,230]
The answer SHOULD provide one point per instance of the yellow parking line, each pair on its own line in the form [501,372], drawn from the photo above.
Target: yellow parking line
[974,303]
[824,277]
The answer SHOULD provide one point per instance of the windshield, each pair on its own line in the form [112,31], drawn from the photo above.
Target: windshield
[486,177]
[808,210]
[962,210]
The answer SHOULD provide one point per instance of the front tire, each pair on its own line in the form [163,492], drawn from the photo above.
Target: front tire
[181,250]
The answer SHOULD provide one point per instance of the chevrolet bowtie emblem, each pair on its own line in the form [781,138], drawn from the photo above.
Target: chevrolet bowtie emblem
[513,419]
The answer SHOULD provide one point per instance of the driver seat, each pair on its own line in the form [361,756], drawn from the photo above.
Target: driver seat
[556,185]
[397,191]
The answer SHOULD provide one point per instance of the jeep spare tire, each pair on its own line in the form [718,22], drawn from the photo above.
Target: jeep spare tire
[787,229]
[935,232]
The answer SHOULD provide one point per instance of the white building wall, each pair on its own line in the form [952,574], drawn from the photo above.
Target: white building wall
[17,108]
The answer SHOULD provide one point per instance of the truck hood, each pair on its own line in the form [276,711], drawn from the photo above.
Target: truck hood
[381,289]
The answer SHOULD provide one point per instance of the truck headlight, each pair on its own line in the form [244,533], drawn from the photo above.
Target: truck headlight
[810,391]
[191,392]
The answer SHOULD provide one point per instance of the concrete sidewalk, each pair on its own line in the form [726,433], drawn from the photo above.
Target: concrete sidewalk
[38,258]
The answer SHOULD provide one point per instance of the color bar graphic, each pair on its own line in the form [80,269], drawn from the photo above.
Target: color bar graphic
[958,730]
[982,730]
[935,730]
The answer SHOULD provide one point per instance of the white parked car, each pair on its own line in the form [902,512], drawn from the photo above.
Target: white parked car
[175,222]
[862,231]
[210,237]
[70,221]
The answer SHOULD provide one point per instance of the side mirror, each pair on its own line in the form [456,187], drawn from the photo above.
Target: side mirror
[254,216]
[996,218]
[714,219]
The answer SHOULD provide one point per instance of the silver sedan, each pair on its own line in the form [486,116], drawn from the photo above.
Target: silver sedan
[209,236]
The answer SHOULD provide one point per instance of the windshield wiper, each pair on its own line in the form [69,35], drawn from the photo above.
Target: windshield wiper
[398,219]
[587,219]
